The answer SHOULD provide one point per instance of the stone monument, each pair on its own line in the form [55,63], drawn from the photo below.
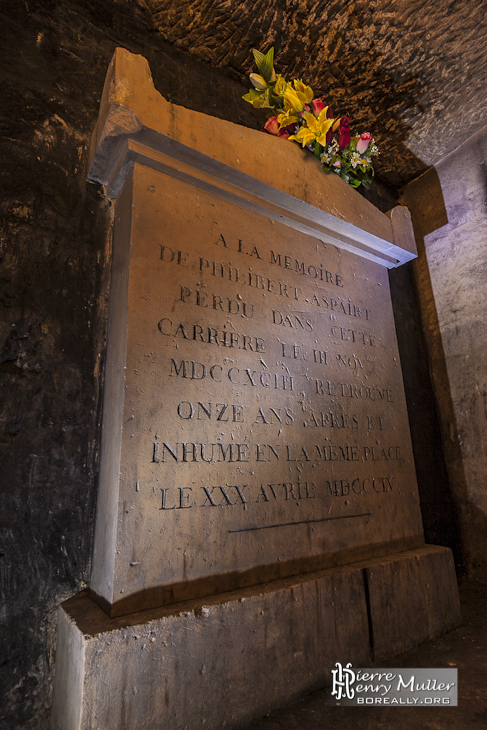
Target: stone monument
[258,516]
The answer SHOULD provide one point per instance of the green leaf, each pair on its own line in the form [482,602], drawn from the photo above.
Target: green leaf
[265,63]
[276,101]
[266,100]
[252,95]
[268,64]
[258,58]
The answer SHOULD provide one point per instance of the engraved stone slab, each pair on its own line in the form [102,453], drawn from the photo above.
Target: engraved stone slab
[254,420]
[263,427]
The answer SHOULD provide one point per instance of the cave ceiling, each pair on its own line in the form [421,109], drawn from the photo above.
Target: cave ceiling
[413,72]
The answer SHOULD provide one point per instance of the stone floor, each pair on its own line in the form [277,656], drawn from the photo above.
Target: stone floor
[464,648]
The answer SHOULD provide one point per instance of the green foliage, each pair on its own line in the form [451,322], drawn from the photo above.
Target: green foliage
[265,63]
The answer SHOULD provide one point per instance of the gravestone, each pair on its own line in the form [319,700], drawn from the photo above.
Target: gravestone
[256,473]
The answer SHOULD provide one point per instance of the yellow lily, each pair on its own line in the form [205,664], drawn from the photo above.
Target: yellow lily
[305,93]
[304,136]
[314,129]
[292,99]
[322,125]
[281,85]
[286,118]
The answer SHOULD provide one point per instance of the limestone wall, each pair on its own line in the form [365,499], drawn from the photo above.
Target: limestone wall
[450,218]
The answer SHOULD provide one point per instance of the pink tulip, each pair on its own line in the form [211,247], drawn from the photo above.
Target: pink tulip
[318,106]
[363,142]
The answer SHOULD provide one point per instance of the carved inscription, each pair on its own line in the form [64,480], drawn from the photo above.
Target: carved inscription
[231,495]
[193,452]
[306,370]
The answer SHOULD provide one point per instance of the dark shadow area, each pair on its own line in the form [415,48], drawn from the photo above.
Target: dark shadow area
[436,442]
[440,520]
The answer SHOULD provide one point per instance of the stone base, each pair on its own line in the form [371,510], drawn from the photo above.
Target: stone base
[223,661]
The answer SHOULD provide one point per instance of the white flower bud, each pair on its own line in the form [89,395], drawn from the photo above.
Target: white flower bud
[258,82]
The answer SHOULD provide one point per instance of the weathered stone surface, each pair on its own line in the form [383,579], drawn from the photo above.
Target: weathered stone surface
[302,420]
[254,418]
[412,600]
[275,643]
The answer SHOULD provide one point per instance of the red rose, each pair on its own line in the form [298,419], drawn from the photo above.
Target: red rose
[344,133]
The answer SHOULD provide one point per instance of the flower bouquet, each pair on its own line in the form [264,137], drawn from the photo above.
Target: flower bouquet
[301,118]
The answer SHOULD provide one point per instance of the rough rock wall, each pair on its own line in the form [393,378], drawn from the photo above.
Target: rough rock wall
[412,71]
[449,208]
[54,272]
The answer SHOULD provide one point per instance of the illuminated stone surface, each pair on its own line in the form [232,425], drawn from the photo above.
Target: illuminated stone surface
[254,422]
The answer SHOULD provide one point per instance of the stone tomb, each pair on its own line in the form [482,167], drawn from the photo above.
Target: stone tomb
[257,487]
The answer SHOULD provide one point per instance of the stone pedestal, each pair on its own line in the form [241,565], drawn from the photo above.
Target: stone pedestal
[231,658]
[258,516]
